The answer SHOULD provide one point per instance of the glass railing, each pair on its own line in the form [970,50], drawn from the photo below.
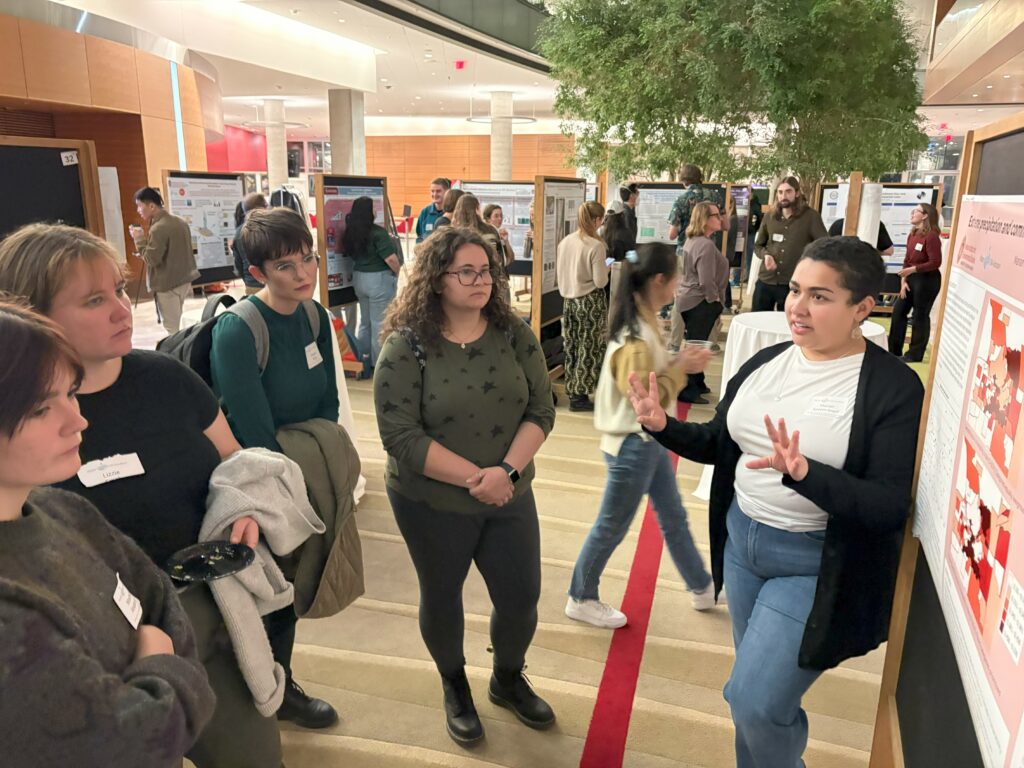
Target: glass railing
[514,22]
[956,21]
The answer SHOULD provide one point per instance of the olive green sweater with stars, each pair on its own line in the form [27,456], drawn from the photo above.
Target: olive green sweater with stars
[471,401]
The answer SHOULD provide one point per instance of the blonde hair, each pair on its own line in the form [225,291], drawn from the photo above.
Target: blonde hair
[586,219]
[930,221]
[35,261]
[699,218]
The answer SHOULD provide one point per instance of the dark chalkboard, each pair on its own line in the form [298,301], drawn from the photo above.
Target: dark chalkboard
[39,188]
[999,172]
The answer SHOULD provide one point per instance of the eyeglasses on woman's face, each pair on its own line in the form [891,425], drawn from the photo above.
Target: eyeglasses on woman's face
[468,276]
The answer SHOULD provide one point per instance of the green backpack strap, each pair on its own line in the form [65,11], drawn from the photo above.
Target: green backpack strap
[261,334]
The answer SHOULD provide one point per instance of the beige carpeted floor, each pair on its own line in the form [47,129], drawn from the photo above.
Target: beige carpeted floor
[371,663]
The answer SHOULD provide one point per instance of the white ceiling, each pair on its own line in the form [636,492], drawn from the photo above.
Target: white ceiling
[416,73]
[417,78]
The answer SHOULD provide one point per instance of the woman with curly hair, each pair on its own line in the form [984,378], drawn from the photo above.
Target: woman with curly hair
[463,404]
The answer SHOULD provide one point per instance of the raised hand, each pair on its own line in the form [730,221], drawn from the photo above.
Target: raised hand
[646,405]
[786,457]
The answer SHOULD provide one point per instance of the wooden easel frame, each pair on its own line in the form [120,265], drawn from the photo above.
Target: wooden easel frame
[88,174]
[887,744]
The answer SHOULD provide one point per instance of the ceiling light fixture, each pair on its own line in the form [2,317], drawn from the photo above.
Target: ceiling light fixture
[974,95]
[988,86]
[1006,77]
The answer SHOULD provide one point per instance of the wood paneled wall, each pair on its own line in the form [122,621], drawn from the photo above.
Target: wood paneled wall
[410,162]
[55,69]
[119,143]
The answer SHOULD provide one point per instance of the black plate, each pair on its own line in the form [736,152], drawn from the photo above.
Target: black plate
[208,561]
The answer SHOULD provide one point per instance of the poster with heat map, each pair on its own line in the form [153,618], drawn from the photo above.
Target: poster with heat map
[970,495]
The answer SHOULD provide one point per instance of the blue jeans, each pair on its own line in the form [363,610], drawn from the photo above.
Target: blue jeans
[642,466]
[375,290]
[770,577]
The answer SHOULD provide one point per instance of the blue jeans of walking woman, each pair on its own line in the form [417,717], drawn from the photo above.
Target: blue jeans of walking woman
[375,291]
[642,466]
[770,576]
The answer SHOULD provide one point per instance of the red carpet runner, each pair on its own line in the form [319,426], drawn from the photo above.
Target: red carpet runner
[609,726]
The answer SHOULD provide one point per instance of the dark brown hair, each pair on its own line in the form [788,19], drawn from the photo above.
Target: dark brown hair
[273,233]
[418,307]
[799,204]
[34,351]
[451,197]
[691,174]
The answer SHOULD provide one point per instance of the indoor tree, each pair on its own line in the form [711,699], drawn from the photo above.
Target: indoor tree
[646,86]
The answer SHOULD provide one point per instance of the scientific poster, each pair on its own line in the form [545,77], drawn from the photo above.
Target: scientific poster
[653,206]
[338,201]
[514,199]
[208,205]
[897,203]
[970,495]
[562,201]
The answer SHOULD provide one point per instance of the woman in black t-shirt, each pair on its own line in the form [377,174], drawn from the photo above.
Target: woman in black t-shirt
[166,425]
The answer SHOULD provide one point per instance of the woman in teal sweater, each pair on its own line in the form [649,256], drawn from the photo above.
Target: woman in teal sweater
[297,384]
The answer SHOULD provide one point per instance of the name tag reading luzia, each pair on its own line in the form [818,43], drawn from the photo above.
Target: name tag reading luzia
[116,467]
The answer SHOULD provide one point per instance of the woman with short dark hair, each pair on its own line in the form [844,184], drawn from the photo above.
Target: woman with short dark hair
[813,445]
[98,662]
[375,273]
[463,404]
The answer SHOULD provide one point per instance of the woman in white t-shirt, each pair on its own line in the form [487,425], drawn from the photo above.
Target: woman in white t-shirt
[813,447]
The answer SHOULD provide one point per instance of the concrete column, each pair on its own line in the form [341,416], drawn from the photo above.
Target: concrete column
[277,143]
[501,136]
[348,131]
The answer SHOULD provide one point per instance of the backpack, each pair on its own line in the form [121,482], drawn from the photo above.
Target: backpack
[192,345]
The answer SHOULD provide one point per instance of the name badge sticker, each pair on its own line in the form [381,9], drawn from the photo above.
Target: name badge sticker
[128,603]
[828,406]
[116,467]
[313,356]
[778,238]
[919,247]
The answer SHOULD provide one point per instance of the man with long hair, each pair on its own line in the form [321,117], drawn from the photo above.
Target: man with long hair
[789,227]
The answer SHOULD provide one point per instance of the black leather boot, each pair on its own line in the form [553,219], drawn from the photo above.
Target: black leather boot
[579,403]
[461,719]
[302,709]
[511,689]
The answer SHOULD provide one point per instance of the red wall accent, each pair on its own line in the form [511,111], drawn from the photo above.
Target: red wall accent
[239,150]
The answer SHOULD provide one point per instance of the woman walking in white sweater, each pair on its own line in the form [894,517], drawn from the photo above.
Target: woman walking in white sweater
[637,464]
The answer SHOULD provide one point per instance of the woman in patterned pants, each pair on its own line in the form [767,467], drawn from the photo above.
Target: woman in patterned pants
[582,274]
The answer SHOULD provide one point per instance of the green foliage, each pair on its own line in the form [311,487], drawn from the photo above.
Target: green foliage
[646,85]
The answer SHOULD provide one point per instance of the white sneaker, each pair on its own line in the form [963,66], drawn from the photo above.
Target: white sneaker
[704,600]
[595,612]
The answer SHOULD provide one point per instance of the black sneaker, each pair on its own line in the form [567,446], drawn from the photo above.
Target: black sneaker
[461,720]
[511,689]
[580,403]
[302,709]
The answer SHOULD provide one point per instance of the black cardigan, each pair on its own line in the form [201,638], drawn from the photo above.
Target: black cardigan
[867,502]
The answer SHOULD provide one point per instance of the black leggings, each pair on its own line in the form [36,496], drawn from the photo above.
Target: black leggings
[923,290]
[700,321]
[504,544]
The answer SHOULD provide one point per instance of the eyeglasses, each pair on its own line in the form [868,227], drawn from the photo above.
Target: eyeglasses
[284,266]
[467,276]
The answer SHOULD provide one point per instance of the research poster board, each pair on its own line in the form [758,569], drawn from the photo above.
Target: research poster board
[207,202]
[555,212]
[970,495]
[515,198]
[653,205]
[898,200]
[334,197]
[741,197]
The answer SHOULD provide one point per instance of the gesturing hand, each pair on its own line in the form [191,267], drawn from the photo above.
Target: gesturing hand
[649,412]
[769,261]
[786,457]
[491,486]
[907,271]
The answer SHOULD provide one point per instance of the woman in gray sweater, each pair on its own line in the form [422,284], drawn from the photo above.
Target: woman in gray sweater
[97,658]
[701,293]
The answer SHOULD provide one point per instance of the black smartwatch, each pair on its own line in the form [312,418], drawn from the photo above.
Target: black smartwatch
[513,473]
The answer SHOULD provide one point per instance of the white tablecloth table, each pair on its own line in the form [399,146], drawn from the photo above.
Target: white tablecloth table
[751,332]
